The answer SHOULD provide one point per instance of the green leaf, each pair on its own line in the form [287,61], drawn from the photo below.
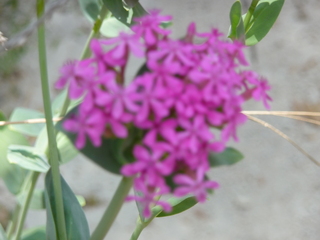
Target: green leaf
[28,157]
[14,179]
[58,102]
[38,199]
[264,16]
[140,205]
[12,174]
[130,3]
[139,11]
[228,157]
[21,114]
[3,235]
[90,9]
[112,153]
[2,118]
[76,222]
[65,147]
[237,26]
[37,233]
[111,27]
[123,15]
[81,200]
[178,205]
[108,155]
[51,231]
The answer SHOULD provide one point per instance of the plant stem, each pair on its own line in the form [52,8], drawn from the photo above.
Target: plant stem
[86,51]
[53,155]
[139,227]
[112,210]
[12,226]
[143,224]
[249,14]
[31,181]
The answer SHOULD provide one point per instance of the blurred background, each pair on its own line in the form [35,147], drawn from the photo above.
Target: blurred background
[273,194]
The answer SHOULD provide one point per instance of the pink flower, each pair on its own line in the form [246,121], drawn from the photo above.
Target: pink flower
[197,186]
[184,90]
[163,75]
[79,75]
[148,27]
[149,199]
[158,128]
[85,124]
[189,102]
[118,99]
[194,132]
[151,98]
[173,52]
[150,164]
[125,43]
[260,92]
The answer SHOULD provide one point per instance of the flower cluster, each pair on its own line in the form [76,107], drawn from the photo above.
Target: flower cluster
[186,88]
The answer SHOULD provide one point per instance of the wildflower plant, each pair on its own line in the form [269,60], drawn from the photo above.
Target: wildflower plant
[162,130]
[187,88]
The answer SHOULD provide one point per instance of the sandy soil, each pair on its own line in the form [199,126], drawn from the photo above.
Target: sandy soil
[274,193]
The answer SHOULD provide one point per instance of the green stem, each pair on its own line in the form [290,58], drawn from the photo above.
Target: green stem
[12,226]
[95,32]
[32,180]
[139,227]
[112,210]
[249,14]
[143,224]
[52,144]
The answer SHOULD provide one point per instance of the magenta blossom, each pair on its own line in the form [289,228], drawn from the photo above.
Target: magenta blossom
[78,75]
[196,186]
[186,90]
[149,198]
[148,27]
[89,124]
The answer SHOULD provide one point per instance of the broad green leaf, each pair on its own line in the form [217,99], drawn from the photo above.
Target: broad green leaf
[138,10]
[3,235]
[139,205]
[76,222]
[81,200]
[66,149]
[130,3]
[38,199]
[2,118]
[264,16]
[228,157]
[111,27]
[21,114]
[58,102]
[121,13]
[143,69]
[178,205]
[237,27]
[14,179]
[28,157]
[90,8]
[12,174]
[108,155]
[51,230]
[112,153]
[37,233]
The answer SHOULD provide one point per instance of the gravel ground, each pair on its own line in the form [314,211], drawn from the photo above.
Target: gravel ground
[274,193]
